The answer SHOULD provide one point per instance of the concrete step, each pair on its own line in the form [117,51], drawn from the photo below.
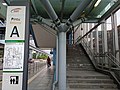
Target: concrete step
[80,69]
[93,86]
[90,89]
[84,73]
[89,77]
[81,75]
[79,64]
[81,59]
[92,81]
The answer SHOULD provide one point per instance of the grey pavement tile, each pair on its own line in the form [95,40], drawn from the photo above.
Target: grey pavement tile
[43,81]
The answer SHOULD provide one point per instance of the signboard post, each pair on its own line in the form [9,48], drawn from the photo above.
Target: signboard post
[16,48]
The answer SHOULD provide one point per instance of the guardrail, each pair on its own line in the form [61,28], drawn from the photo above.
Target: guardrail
[106,62]
[33,68]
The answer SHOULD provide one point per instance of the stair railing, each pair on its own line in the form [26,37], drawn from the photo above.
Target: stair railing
[111,65]
[89,51]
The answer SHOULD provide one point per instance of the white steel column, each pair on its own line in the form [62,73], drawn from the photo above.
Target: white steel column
[91,37]
[62,61]
[97,43]
[97,40]
[115,31]
[87,35]
[57,58]
[105,48]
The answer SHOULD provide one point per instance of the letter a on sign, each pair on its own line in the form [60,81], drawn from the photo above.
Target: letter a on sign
[14,32]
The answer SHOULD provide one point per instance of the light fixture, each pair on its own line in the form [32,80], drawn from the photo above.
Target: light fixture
[97,3]
[4,4]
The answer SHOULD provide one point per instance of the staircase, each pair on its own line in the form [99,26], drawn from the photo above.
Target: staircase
[82,76]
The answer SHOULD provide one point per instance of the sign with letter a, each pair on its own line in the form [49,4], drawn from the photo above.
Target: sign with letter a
[13,64]
[15,25]
[14,32]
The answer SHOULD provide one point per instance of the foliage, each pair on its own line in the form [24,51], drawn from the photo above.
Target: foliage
[34,55]
[39,56]
[42,56]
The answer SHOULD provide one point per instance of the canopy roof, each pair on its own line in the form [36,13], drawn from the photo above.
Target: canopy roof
[65,8]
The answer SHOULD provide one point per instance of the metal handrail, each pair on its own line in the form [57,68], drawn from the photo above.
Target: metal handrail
[114,58]
[106,55]
[105,68]
[90,50]
[103,55]
[116,64]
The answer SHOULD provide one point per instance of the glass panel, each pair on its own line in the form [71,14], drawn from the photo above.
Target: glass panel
[94,43]
[118,17]
[109,35]
[118,26]
[100,37]
[107,8]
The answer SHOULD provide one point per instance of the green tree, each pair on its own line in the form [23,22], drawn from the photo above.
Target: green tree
[42,56]
[34,55]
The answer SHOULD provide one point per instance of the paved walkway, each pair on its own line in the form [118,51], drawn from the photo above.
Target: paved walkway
[42,80]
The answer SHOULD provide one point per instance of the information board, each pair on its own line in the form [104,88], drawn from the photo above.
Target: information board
[13,57]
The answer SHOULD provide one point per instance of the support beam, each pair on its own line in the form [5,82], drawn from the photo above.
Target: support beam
[89,9]
[62,9]
[51,12]
[49,9]
[46,22]
[33,35]
[62,61]
[78,11]
[78,22]
[3,11]
[34,7]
